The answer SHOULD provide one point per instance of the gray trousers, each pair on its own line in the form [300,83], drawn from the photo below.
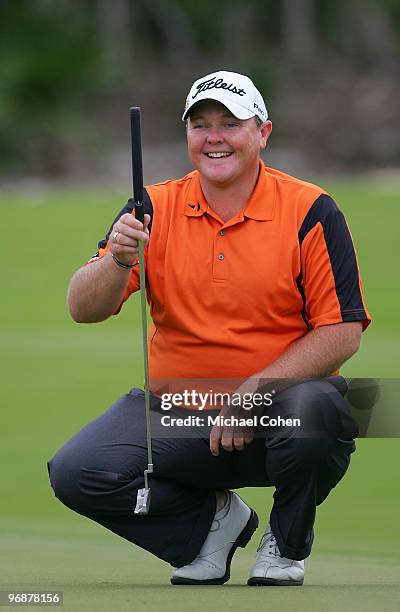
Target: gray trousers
[98,472]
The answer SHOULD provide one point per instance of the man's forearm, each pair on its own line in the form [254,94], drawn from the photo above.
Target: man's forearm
[317,354]
[96,290]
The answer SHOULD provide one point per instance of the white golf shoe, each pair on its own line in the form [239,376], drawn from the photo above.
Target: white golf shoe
[233,526]
[270,569]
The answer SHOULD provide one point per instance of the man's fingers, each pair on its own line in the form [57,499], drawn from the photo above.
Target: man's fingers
[239,440]
[227,441]
[130,219]
[122,240]
[125,250]
[127,231]
[125,236]
[131,233]
[215,438]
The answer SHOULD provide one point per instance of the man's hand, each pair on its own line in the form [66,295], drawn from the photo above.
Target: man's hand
[235,437]
[124,238]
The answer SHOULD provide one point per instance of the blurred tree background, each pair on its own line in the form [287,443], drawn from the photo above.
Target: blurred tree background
[329,72]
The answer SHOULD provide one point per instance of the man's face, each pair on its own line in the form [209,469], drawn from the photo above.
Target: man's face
[221,147]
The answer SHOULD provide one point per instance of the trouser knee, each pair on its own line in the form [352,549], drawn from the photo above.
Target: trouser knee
[90,487]
[64,476]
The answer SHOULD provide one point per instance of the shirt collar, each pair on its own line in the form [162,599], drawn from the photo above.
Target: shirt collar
[261,204]
[259,207]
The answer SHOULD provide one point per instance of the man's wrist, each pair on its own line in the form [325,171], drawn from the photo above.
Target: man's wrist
[123,265]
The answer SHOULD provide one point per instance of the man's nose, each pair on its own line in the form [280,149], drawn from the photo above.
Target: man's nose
[214,135]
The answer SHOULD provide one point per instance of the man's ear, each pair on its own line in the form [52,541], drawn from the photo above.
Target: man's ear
[265,133]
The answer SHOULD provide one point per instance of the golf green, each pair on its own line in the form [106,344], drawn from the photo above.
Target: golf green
[96,571]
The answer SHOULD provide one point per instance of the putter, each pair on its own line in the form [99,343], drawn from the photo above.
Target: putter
[143,496]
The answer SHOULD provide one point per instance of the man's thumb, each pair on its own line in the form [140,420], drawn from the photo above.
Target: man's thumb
[146,221]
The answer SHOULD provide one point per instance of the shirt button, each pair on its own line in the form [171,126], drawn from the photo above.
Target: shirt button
[221,256]
[222,233]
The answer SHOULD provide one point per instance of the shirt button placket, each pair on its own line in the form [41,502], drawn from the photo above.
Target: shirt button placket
[219,271]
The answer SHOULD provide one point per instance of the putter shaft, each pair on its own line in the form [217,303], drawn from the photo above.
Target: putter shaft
[145,359]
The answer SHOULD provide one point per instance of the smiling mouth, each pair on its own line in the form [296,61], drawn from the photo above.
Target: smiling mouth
[218,154]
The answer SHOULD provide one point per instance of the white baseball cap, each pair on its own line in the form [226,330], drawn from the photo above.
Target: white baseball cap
[235,91]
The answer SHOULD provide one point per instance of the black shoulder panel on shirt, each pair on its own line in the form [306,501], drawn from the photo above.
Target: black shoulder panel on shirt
[148,209]
[341,254]
[323,207]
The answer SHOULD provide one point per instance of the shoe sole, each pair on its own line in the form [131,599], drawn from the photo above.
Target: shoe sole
[273,582]
[242,540]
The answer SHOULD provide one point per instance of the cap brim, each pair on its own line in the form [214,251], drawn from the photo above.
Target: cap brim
[236,109]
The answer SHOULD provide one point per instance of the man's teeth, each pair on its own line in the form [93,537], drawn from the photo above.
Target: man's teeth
[219,154]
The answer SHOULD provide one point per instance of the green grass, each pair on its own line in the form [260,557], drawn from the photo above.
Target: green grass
[105,574]
[56,376]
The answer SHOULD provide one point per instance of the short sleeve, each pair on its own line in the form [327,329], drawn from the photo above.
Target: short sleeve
[330,277]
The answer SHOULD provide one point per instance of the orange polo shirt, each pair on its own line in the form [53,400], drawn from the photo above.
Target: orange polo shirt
[227,299]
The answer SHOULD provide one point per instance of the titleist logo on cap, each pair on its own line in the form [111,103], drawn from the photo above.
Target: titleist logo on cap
[218,84]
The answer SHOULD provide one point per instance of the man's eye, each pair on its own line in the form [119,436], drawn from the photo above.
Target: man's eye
[197,126]
[232,125]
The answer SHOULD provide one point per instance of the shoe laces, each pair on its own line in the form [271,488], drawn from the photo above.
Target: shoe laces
[268,545]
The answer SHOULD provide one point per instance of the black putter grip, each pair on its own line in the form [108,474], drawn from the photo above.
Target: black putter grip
[137,167]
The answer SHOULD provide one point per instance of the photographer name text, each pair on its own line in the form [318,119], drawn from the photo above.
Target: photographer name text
[228,421]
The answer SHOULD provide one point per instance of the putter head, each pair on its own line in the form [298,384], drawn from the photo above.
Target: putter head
[143,501]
